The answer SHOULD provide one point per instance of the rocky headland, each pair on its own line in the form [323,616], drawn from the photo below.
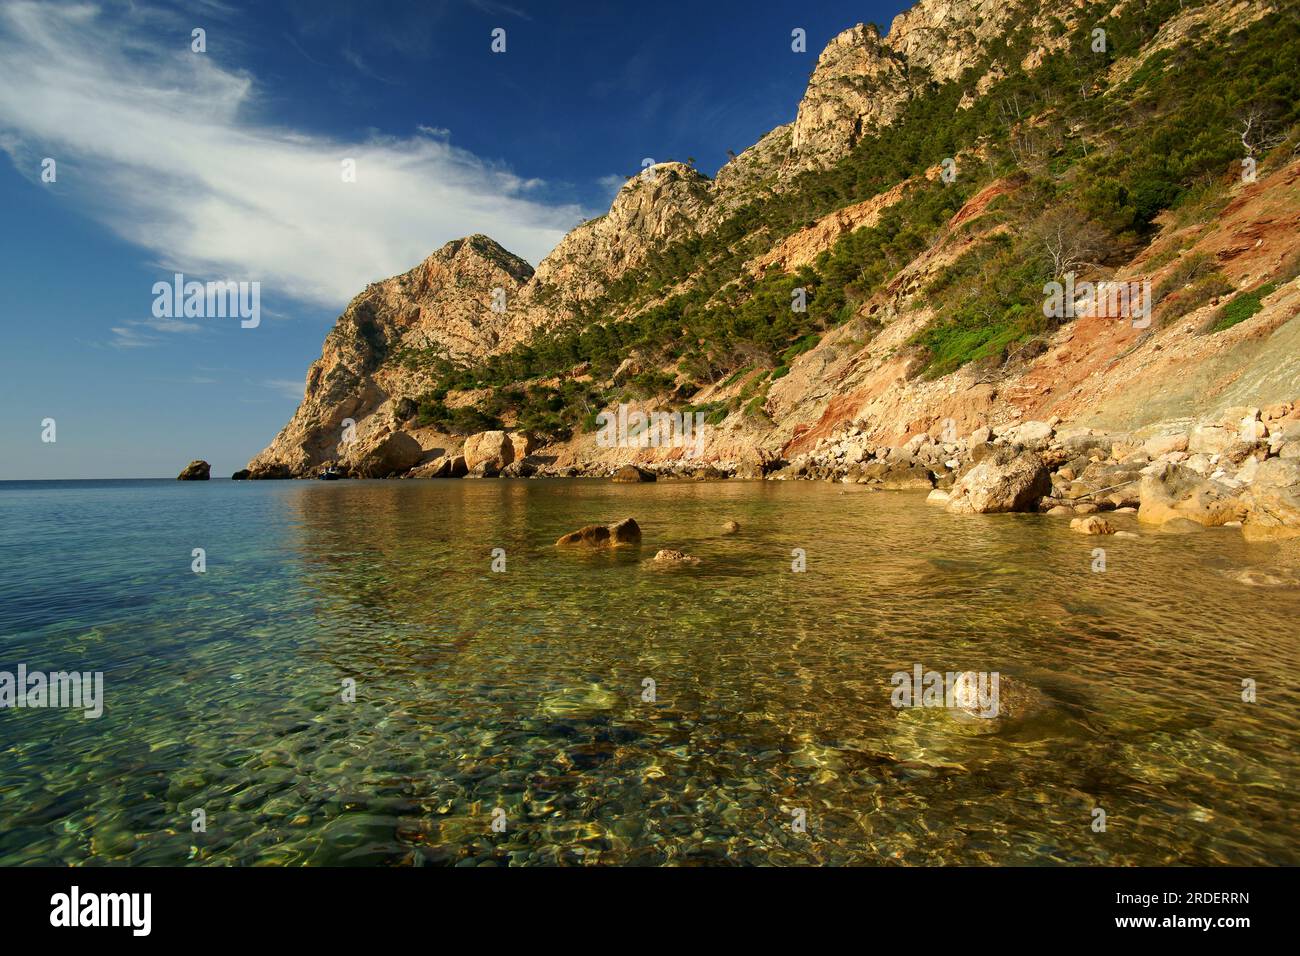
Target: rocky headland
[920,365]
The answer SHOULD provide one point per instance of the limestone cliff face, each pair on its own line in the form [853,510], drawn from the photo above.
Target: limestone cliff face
[446,302]
[943,38]
[859,85]
[664,202]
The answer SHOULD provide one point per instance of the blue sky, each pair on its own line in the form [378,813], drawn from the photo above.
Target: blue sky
[226,165]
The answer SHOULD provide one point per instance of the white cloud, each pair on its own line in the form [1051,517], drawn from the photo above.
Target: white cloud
[163,147]
[288,388]
[612,183]
[129,335]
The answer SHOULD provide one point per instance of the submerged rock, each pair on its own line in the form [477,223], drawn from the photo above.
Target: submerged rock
[669,556]
[730,527]
[1093,524]
[625,532]
[197,470]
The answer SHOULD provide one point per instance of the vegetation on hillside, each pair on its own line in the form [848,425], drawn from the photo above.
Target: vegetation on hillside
[1092,167]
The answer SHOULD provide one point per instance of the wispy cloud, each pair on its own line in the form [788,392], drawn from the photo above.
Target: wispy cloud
[288,388]
[164,147]
[134,335]
[612,183]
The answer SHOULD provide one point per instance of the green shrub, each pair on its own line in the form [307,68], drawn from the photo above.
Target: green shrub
[1241,307]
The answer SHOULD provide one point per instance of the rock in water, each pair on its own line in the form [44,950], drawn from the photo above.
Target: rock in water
[1178,492]
[391,454]
[625,532]
[242,475]
[1273,501]
[730,527]
[631,473]
[1093,524]
[197,470]
[669,556]
[1003,481]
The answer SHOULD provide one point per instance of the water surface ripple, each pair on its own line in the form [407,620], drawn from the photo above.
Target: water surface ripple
[523,690]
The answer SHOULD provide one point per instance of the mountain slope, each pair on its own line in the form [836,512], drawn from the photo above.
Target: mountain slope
[928,187]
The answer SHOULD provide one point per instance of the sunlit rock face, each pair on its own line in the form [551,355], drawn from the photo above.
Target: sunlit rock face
[859,84]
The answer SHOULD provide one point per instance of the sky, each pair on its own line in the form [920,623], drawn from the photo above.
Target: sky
[313,147]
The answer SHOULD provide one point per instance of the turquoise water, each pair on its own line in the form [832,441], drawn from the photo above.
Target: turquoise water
[522,691]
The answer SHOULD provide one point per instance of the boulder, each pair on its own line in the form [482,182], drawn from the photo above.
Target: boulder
[901,477]
[937,497]
[444,466]
[1164,444]
[631,474]
[1086,445]
[1035,435]
[1174,491]
[273,472]
[1241,451]
[1273,501]
[438,468]
[1210,439]
[242,475]
[391,454]
[518,469]
[487,468]
[496,448]
[1094,524]
[625,532]
[705,473]
[753,466]
[978,453]
[730,527]
[523,443]
[1005,480]
[669,556]
[197,470]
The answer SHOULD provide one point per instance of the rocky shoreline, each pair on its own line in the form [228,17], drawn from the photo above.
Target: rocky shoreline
[1241,469]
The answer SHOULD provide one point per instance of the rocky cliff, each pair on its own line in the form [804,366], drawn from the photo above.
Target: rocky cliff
[896,361]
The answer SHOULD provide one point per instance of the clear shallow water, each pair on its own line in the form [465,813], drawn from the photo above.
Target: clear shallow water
[523,690]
